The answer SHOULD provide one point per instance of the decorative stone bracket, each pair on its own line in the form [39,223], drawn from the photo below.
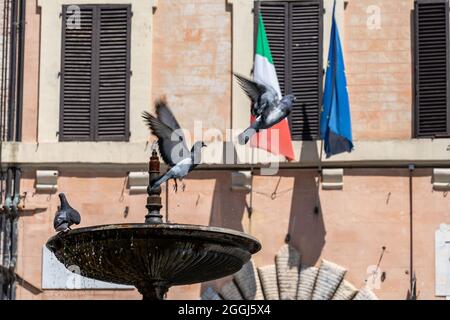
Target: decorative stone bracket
[138,182]
[441,179]
[47,181]
[241,181]
[333,179]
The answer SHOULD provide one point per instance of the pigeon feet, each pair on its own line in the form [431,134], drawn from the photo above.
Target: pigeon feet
[175,187]
[66,231]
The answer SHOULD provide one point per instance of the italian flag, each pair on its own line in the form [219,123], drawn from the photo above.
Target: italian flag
[264,71]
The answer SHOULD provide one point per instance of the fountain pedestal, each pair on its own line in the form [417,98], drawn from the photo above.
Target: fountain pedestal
[154,291]
[154,256]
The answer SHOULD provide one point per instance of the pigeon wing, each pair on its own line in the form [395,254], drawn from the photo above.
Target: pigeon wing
[253,89]
[166,116]
[172,144]
[262,95]
[74,217]
[60,219]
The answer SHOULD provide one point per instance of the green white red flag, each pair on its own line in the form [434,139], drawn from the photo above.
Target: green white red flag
[265,72]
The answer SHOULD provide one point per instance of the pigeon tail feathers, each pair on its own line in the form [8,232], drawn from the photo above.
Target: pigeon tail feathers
[156,183]
[245,137]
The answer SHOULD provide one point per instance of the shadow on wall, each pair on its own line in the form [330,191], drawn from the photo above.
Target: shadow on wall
[227,208]
[227,211]
[306,226]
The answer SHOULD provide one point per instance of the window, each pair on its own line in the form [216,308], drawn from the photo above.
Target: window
[294,30]
[95,74]
[432,118]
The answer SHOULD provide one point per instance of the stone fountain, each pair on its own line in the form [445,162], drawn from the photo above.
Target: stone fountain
[154,256]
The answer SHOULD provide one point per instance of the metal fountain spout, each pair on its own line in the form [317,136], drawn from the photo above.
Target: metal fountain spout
[154,201]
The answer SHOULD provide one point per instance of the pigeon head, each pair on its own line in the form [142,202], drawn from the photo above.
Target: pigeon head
[64,202]
[62,197]
[198,146]
[197,152]
[290,98]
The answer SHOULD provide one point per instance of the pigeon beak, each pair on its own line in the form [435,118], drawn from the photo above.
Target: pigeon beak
[204,145]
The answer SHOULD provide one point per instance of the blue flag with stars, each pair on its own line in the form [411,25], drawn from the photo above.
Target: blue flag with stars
[336,123]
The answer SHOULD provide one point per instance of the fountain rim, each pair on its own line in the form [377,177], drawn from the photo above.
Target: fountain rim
[251,243]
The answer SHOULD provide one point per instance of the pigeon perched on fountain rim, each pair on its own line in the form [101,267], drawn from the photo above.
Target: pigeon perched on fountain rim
[66,216]
[172,146]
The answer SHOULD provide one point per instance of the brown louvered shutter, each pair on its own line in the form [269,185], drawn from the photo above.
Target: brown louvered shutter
[275,16]
[432,68]
[96,75]
[76,118]
[294,30]
[114,73]
[306,70]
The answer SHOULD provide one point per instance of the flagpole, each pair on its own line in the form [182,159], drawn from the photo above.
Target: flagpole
[252,167]
[319,178]
[322,142]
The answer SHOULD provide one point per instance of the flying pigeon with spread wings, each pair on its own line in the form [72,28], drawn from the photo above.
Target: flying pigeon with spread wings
[172,146]
[267,107]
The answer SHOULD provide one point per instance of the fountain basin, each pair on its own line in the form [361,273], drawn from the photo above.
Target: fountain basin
[154,257]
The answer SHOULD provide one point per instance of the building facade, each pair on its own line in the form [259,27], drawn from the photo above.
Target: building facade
[92,67]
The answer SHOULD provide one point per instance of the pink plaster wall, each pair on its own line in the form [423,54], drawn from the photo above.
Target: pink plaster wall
[370,213]
[379,69]
[31,69]
[192,61]
[431,209]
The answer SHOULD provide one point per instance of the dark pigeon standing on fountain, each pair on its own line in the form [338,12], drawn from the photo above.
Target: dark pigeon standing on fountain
[267,107]
[172,146]
[66,216]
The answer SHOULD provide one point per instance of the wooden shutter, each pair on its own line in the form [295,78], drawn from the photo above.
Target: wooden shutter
[77,70]
[294,30]
[96,75]
[114,74]
[275,16]
[306,71]
[432,68]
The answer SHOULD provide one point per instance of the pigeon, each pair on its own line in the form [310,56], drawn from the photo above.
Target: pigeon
[66,216]
[267,107]
[172,146]
[262,96]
